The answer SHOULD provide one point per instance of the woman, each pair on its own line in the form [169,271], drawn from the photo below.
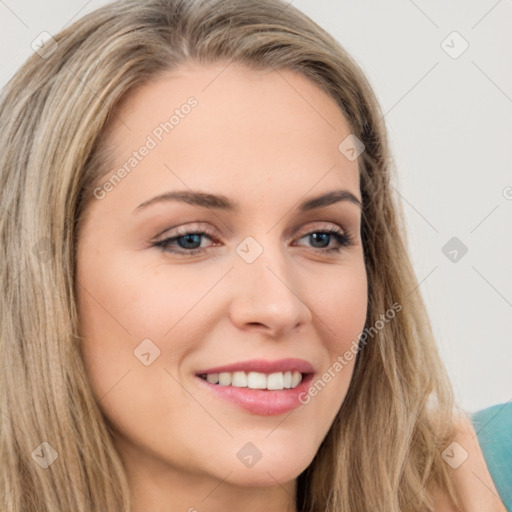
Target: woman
[146,370]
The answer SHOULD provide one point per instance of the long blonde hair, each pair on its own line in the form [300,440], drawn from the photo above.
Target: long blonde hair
[383,450]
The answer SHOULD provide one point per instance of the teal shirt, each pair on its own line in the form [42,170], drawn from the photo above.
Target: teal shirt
[493,427]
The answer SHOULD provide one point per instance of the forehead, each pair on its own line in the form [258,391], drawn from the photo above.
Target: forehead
[223,126]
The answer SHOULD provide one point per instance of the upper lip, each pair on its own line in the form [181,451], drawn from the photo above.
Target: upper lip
[263,366]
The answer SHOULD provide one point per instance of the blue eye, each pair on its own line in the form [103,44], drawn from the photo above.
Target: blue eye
[189,242]
[189,239]
[343,239]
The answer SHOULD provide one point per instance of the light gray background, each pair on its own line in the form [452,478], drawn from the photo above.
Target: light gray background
[450,126]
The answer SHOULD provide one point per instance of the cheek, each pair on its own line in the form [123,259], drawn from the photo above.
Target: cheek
[340,302]
[340,313]
[132,313]
[122,295]
[128,318]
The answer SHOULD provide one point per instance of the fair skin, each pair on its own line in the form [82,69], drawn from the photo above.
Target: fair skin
[268,141]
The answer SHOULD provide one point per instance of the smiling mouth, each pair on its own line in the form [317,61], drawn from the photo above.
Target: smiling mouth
[256,380]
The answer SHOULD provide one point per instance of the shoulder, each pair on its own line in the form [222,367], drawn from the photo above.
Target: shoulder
[493,427]
[469,472]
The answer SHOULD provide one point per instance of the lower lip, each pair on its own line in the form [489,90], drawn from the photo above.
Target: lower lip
[261,401]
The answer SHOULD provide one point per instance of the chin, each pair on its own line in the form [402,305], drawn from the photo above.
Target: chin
[269,470]
[269,475]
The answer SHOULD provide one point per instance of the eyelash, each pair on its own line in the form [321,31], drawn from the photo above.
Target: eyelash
[344,239]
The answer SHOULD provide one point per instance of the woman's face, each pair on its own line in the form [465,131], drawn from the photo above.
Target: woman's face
[266,283]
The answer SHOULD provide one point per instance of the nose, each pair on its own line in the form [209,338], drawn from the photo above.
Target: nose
[266,295]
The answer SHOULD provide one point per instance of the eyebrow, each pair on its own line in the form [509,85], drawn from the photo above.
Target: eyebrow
[221,202]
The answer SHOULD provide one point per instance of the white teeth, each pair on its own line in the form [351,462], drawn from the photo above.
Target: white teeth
[275,381]
[224,378]
[239,380]
[296,379]
[256,380]
[213,378]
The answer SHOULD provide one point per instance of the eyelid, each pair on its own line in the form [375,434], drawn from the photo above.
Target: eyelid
[184,229]
[323,225]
